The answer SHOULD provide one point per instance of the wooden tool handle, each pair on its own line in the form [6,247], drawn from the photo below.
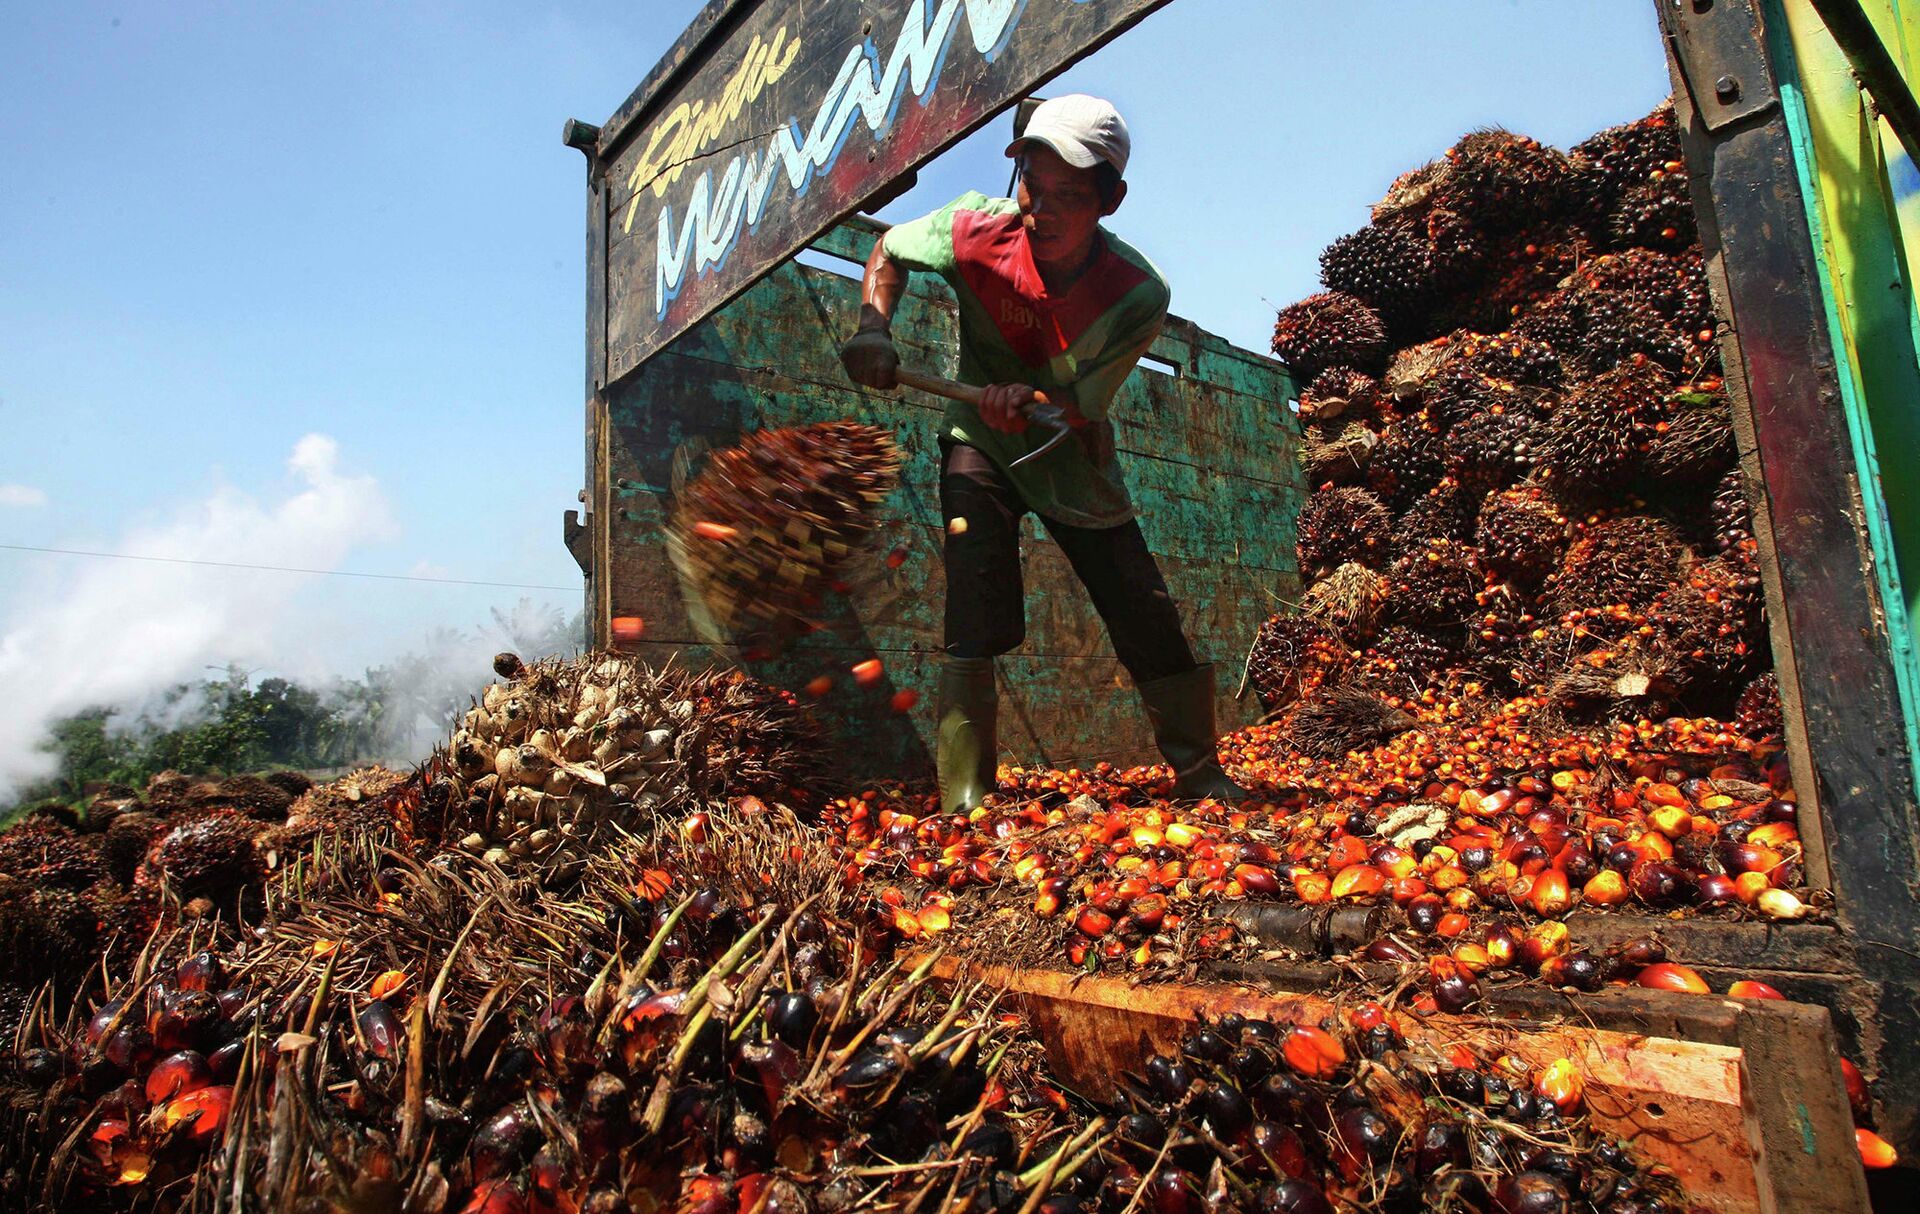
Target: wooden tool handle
[951,389]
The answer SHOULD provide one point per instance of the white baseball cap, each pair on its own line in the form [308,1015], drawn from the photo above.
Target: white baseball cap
[1084,130]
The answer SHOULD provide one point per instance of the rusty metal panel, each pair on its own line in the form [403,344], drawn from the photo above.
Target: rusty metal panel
[769,121]
[1209,446]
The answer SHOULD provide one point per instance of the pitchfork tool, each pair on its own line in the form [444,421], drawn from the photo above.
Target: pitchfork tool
[1042,411]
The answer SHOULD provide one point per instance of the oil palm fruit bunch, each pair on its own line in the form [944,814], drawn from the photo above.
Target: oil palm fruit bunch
[760,532]
[1340,392]
[1337,452]
[1331,329]
[1593,439]
[1672,284]
[1491,450]
[1409,461]
[1597,329]
[1349,601]
[1655,214]
[1444,512]
[206,855]
[42,851]
[1619,158]
[1435,586]
[1757,713]
[559,747]
[1693,439]
[1414,656]
[1341,525]
[1627,561]
[1335,720]
[1502,179]
[1521,534]
[1507,356]
[1293,656]
[1391,269]
[1732,516]
[1520,270]
[1712,623]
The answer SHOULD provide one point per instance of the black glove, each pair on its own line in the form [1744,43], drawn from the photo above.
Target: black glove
[870,358]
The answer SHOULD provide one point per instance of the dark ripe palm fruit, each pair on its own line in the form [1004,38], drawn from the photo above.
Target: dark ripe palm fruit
[1657,883]
[1143,1133]
[504,1142]
[1492,450]
[1292,656]
[1169,1077]
[1693,443]
[40,1068]
[1226,1111]
[760,532]
[1583,970]
[380,1029]
[1757,713]
[1337,720]
[1656,214]
[1409,460]
[1340,393]
[1462,1083]
[1281,1148]
[1454,990]
[1505,180]
[1249,1063]
[1294,1196]
[210,856]
[186,1020]
[1341,525]
[200,972]
[1331,329]
[792,1015]
[1206,1046]
[1442,1143]
[1364,1138]
[1522,534]
[1444,512]
[1174,1190]
[1532,1193]
[1280,1096]
[225,1061]
[1391,269]
[870,1068]
[1423,913]
[1435,587]
[1626,561]
[1337,452]
[1389,948]
[176,1074]
[1348,601]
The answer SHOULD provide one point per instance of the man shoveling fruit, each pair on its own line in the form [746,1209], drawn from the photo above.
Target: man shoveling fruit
[1053,307]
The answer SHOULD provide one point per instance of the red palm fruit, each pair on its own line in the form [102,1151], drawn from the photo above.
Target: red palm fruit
[1859,1098]
[1392,861]
[1747,988]
[1313,1052]
[1606,888]
[1078,949]
[1544,943]
[1875,1151]
[178,1073]
[1713,888]
[201,1113]
[1093,923]
[1387,948]
[1667,976]
[1454,989]
[1472,958]
[1358,881]
[1150,911]
[1048,897]
[1775,836]
[1312,888]
[652,1019]
[1281,1146]
[1452,924]
[1255,879]
[496,1196]
[1502,949]
[1561,1083]
[1551,895]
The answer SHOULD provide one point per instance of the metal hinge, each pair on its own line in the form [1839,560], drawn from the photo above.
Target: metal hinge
[1721,49]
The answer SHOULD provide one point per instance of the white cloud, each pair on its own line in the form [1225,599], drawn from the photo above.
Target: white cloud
[22,495]
[118,632]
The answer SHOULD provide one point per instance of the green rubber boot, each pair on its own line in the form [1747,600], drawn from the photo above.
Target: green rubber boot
[967,754]
[1180,710]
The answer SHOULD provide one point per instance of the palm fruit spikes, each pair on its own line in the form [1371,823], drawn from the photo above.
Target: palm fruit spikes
[1341,525]
[1293,656]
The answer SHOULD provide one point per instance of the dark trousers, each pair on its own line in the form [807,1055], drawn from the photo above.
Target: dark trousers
[986,601]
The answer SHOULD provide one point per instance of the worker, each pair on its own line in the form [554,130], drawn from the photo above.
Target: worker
[1050,302]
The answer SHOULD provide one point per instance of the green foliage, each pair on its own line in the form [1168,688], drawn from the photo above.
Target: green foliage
[229,724]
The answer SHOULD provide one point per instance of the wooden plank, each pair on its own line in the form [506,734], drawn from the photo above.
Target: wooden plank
[1844,722]
[789,118]
[1684,1098]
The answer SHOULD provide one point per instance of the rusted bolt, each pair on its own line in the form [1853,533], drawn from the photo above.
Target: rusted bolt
[1727,88]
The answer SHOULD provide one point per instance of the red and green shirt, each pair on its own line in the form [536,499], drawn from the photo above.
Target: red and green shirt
[1077,347]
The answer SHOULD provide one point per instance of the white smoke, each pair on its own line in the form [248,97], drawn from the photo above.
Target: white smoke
[22,495]
[118,632]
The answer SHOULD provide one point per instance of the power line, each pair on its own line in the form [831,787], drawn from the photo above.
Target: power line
[181,560]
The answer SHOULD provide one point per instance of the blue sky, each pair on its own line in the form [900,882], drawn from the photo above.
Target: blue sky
[224,228]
